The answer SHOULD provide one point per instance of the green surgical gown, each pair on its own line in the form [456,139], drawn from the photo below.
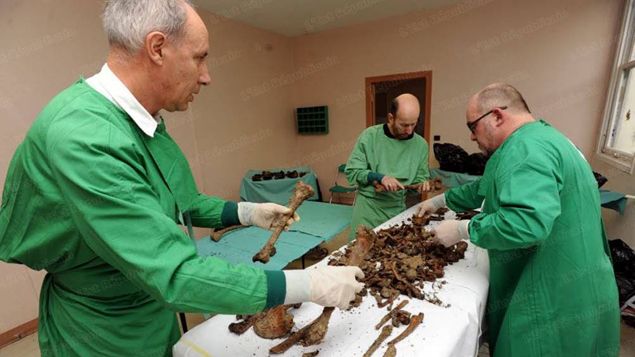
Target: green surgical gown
[552,289]
[376,154]
[96,203]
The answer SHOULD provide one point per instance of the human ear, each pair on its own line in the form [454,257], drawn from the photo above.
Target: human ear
[154,45]
[498,114]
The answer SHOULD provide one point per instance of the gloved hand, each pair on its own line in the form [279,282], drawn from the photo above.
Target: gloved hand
[391,184]
[431,205]
[324,285]
[263,214]
[450,232]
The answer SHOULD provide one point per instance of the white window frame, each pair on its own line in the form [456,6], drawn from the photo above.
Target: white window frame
[620,159]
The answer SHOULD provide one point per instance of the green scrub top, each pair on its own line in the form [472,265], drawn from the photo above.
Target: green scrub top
[96,203]
[552,289]
[376,154]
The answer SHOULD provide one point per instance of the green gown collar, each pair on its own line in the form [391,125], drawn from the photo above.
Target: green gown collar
[173,166]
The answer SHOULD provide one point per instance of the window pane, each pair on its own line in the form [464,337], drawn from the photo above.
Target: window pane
[629,35]
[623,131]
[630,48]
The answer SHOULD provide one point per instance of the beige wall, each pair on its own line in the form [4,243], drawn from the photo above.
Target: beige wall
[242,120]
[46,45]
[557,53]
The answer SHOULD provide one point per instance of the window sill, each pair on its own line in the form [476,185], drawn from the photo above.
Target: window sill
[625,164]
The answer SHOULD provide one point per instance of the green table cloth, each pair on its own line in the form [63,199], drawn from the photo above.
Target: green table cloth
[276,191]
[452,179]
[613,200]
[319,222]
[609,199]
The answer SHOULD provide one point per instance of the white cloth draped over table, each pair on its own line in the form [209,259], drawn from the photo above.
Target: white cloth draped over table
[446,331]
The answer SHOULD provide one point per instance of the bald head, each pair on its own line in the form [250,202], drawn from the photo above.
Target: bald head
[403,116]
[405,105]
[499,95]
[494,113]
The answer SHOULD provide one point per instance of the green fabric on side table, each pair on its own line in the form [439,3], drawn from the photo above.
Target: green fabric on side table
[452,179]
[613,200]
[276,191]
[319,222]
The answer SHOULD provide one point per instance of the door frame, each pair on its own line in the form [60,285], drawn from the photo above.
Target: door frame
[370,96]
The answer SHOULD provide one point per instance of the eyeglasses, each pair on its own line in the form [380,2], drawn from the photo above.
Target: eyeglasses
[472,125]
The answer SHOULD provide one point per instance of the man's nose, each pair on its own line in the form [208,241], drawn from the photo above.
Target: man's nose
[205,78]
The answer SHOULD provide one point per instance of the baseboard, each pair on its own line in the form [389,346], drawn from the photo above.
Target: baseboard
[18,333]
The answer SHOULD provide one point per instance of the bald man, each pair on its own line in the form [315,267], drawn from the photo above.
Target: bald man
[391,155]
[552,289]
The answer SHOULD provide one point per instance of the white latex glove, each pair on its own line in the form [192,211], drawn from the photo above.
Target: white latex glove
[263,214]
[431,205]
[451,232]
[391,184]
[324,285]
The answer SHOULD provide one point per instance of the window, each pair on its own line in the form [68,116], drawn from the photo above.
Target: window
[617,143]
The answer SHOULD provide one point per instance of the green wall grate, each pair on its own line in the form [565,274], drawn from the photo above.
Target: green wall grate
[313,120]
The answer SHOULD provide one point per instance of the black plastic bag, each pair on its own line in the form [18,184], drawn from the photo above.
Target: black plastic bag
[476,164]
[624,267]
[451,157]
[623,257]
[601,180]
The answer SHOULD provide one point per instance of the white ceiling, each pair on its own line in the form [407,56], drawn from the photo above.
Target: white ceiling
[298,17]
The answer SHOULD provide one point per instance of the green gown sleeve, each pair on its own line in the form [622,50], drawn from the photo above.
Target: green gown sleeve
[213,212]
[464,197]
[120,218]
[529,202]
[357,168]
[423,173]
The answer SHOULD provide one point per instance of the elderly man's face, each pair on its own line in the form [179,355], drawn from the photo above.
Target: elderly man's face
[186,64]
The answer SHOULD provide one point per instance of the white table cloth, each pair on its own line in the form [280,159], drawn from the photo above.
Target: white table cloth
[445,331]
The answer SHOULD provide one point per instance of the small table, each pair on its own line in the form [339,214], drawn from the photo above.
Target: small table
[452,179]
[277,191]
[319,222]
[608,199]
[613,200]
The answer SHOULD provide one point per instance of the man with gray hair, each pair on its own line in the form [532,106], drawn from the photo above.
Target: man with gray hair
[96,191]
[552,289]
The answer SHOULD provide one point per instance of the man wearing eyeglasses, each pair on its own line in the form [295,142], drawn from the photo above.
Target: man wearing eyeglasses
[391,155]
[552,289]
